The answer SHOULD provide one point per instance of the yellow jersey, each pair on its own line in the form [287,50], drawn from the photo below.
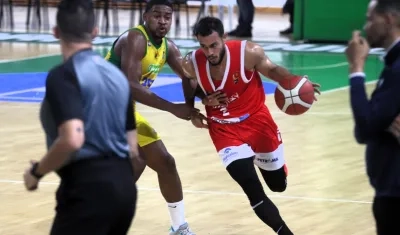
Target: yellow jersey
[153,61]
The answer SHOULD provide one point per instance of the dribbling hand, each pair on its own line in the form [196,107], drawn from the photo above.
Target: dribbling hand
[316,87]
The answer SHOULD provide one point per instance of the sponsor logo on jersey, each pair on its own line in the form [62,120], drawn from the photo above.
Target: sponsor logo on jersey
[153,68]
[236,77]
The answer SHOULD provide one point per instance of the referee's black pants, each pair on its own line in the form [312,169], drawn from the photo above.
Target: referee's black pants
[96,196]
[387,215]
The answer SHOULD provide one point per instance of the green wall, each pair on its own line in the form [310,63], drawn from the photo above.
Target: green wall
[328,20]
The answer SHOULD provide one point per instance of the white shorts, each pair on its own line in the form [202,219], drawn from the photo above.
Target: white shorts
[267,161]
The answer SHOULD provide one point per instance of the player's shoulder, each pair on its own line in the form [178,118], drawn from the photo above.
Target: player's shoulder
[187,58]
[134,34]
[187,63]
[252,45]
[171,44]
[253,49]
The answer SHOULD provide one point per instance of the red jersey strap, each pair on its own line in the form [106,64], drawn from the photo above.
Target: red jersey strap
[199,60]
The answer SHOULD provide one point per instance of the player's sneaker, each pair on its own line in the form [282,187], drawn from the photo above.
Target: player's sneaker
[182,230]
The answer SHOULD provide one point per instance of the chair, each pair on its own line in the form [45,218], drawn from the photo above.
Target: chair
[177,6]
[140,4]
[106,21]
[38,4]
[10,12]
[202,10]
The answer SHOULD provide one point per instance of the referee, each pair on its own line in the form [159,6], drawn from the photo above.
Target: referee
[375,118]
[87,116]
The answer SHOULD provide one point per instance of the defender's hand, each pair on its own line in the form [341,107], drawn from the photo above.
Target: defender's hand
[184,111]
[199,121]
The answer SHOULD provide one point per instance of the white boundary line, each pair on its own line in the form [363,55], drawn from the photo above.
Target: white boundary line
[29,58]
[223,193]
[327,66]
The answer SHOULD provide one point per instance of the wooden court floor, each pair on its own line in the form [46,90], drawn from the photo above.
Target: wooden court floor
[328,191]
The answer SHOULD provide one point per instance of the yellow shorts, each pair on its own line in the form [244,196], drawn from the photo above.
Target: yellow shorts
[146,133]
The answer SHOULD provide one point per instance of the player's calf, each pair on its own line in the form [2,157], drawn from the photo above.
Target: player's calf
[276,180]
[158,159]
[244,173]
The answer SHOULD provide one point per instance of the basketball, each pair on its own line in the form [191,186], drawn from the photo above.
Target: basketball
[294,96]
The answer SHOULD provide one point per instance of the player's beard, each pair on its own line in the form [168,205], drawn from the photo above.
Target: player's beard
[221,57]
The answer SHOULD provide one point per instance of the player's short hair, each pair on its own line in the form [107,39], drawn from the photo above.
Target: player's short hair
[152,3]
[76,20]
[207,25]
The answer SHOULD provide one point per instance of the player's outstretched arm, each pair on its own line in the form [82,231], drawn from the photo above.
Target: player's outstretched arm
[255,58]
[199,121]
[189,83]
[131,64]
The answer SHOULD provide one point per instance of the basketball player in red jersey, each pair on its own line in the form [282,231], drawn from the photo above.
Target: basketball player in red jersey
[240,125]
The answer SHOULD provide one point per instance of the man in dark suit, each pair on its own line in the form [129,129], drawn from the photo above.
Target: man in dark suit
[375,118]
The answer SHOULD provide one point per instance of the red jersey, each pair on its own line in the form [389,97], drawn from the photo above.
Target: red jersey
[243,88]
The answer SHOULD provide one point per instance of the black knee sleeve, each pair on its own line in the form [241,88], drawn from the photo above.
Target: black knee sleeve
[276,180]
[244,173]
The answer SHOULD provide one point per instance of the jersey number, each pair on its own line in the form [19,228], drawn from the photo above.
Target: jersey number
[224,111]
[147,82]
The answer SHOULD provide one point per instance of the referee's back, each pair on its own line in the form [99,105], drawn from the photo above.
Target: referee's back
[104,97]
[88,118]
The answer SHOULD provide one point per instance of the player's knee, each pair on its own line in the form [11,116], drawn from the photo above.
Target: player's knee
[276,180]
[277,186]
[167,162]
[243,172]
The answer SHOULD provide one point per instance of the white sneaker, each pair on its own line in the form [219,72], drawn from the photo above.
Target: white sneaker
[182,230]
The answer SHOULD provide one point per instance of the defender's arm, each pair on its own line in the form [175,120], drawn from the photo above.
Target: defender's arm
[131,63]
[189,84]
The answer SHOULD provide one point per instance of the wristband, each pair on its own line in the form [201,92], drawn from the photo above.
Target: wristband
[33,171]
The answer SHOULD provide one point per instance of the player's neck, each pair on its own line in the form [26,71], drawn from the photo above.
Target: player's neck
[153,39]
[391,40]
[69,49]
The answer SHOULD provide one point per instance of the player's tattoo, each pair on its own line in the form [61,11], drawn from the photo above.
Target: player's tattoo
[79,129]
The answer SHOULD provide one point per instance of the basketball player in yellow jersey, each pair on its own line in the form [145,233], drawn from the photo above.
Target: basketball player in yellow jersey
[141,53]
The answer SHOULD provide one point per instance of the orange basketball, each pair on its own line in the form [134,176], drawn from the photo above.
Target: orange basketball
[294,96]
